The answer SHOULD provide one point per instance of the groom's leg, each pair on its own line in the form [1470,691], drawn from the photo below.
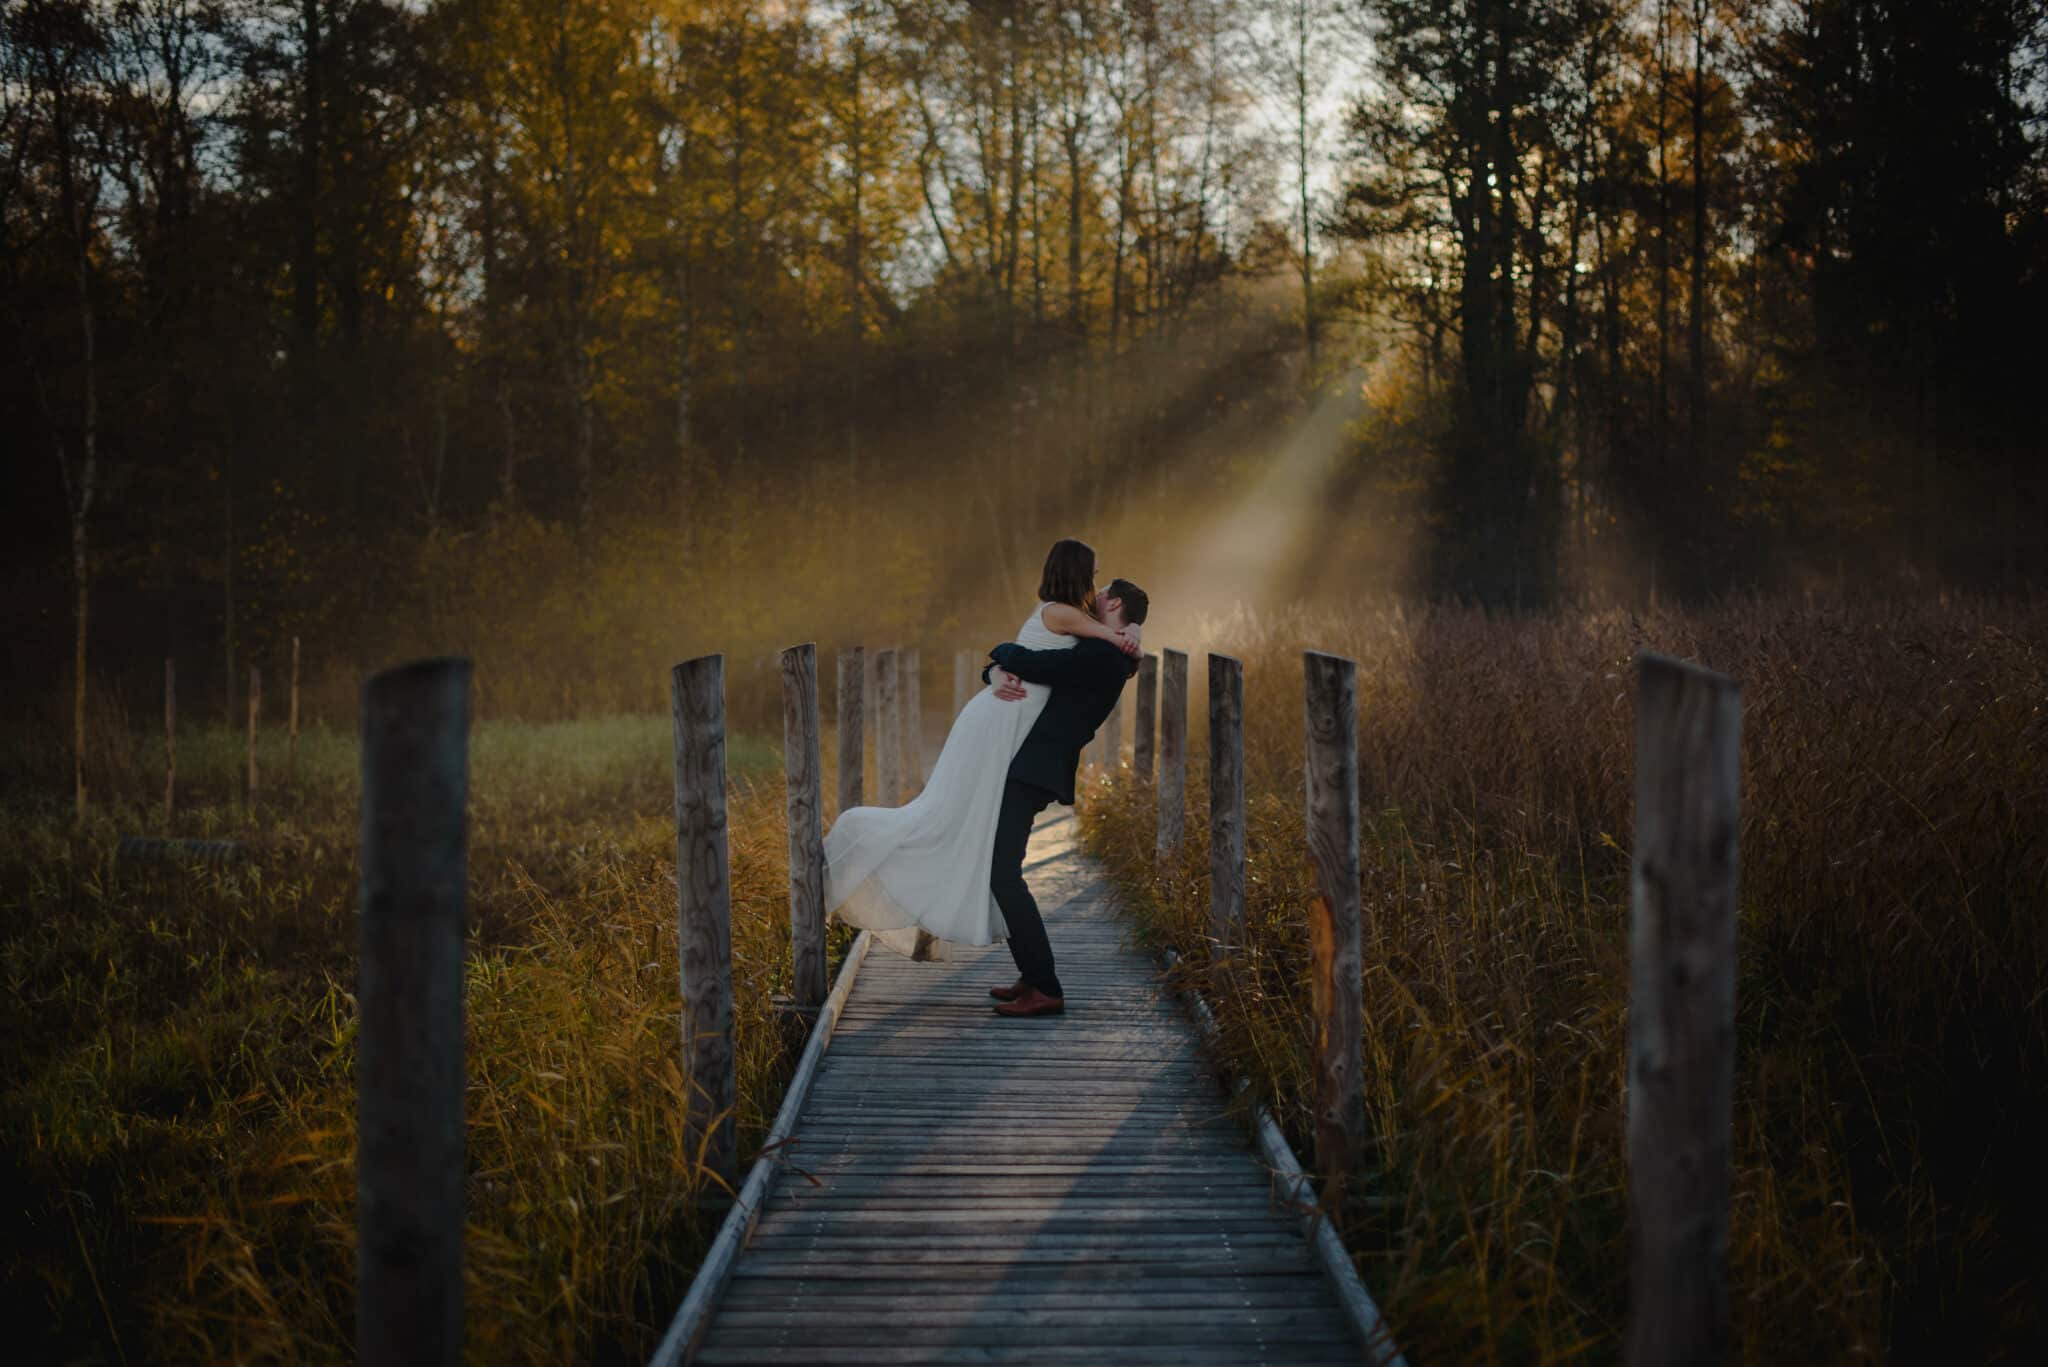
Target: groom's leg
[1029,945]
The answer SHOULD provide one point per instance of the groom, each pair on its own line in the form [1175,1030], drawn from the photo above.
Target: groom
[1086,681]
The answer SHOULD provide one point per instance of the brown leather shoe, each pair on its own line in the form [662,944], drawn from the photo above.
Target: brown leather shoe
[1032,1002]
[1010,993]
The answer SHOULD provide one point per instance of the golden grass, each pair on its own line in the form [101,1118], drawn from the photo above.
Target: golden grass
[1892,1023]
[179,1106]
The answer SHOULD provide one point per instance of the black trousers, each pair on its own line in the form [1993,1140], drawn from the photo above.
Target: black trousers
[1028,943]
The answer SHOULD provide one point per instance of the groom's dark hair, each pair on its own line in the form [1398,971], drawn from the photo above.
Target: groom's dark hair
[1136,604]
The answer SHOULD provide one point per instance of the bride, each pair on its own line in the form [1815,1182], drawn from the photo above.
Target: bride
[918,875]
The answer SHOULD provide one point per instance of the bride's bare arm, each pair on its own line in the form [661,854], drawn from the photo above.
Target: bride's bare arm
[1071,621]
[1068,620]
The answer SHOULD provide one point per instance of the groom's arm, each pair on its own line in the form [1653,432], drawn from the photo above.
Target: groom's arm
[1088,659]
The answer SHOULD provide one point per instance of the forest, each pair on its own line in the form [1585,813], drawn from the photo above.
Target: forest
[515,327]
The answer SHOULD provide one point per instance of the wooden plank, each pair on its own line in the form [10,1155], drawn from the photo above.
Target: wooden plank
[898,1260]
[1681,1020]
[1226,800]
[849,706]
[888,733]
[1134,1332]
[1173,749]
[409,990]
[1000,1231]
[884,1297]
[1144,724]
[704,911]
[1335,919]
[910,710]
[883,1190]
[1113,735]
[803,803]
[829,1167]
[956,1355]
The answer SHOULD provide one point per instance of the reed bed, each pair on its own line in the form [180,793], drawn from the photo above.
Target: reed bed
[178,1108]
[1892,1018]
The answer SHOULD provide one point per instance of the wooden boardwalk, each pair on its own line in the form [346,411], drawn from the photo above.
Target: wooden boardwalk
[1060,1190]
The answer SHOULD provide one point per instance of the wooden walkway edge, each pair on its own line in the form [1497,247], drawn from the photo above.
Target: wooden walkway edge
[945,1185]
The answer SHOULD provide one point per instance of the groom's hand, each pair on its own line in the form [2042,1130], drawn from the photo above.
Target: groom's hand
[1009,687]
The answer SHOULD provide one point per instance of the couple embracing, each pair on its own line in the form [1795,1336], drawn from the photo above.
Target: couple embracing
[947,868]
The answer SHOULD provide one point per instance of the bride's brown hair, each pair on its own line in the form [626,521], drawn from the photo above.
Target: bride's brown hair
[1069,575]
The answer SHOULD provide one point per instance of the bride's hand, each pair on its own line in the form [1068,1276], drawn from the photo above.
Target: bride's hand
[1128,640]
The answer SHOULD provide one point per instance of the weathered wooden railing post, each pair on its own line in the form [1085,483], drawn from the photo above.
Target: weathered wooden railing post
[1145,717]
[963,680]
[871,700]
[909,692]
[170,737]
[1226,801]
[850,757]
[1336,928]
[255,707]
[804,798]
[1681,1018]
[704,909]
[1173,748]
[291,754]
[409,989]
[888,732]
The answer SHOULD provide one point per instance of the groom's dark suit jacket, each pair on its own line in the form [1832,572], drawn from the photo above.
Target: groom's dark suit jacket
[1086,681]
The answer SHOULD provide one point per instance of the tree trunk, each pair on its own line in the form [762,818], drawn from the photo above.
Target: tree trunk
[1697,338]
[80,565]
[81,509]
[306,257]
[1301,170]
[856,323]
[1662,415]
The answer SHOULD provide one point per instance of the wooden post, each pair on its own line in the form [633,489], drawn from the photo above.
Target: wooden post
[255,706]
[1335,918]
[1681,1017]
[910,699]
[170,737]
[888,732]
[1226,800]
[800,762]
[704,911]
[963,680]
[1146,718]
[1173,747]
[291,754]
[409,986]
[873,695]
[851,664]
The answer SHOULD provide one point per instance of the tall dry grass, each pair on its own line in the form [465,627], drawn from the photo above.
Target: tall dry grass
[1892,1017]
[178,1107]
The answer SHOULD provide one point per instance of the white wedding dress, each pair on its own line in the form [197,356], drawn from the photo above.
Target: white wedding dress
[917,875]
